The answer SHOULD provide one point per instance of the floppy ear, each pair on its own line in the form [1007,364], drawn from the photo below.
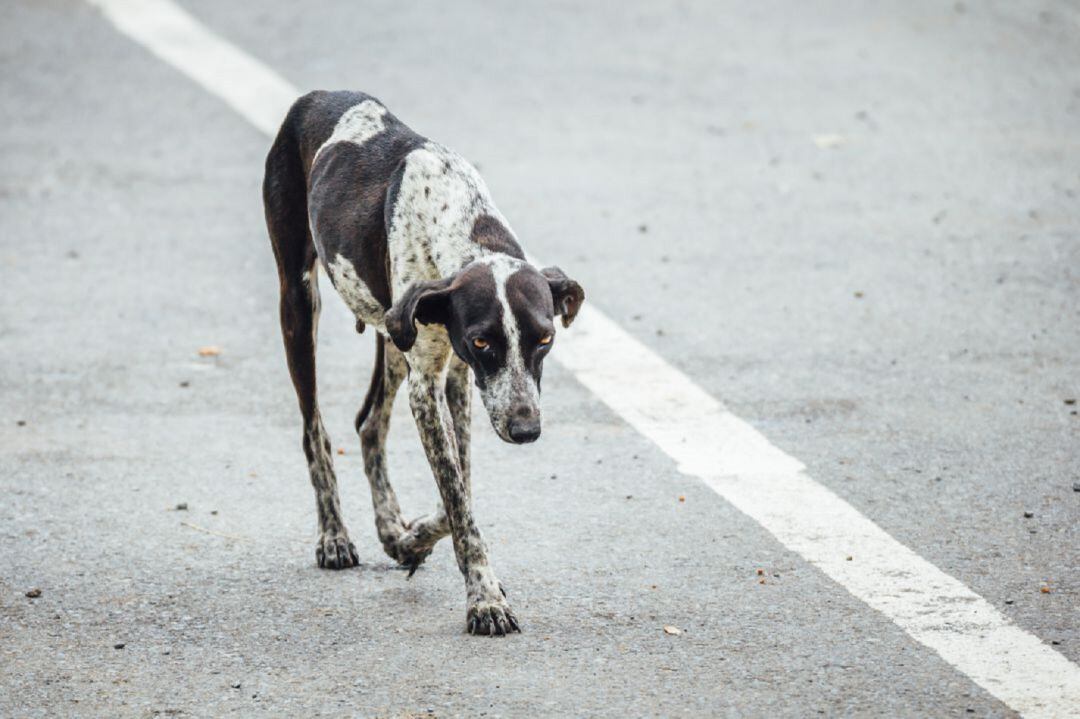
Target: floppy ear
[426,302]
[565,293]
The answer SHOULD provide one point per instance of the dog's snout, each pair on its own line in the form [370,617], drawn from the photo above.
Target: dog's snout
[524,432]
[524,425]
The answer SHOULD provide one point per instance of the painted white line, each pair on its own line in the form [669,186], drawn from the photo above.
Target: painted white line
[261,96]
[740,464]
[695,430]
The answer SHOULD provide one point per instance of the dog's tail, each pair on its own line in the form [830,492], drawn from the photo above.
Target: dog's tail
[375,390]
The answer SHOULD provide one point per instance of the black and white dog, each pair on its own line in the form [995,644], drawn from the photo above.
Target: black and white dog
[411,240]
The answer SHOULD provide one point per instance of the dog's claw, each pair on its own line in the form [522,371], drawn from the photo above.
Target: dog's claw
[411,560]
[494,620]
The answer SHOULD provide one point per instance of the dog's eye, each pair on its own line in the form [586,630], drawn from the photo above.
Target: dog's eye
[545,340]
[480,343]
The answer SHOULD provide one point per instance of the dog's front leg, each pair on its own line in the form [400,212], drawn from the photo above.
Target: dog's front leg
[422,533]
[488,610]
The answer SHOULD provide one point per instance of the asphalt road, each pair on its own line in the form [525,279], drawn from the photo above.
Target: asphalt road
[858,226]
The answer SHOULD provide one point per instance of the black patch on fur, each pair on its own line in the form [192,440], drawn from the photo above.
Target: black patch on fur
[491,234]
[567,294]
[531,301]
[351,188]
[424,302]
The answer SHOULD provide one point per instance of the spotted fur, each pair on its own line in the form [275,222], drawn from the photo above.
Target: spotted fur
[413,243]
[441,197]
[354,292]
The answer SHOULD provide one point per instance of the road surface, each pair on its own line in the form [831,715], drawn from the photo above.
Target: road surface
[856,226]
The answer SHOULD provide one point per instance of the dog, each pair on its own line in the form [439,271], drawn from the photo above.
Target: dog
[408,234]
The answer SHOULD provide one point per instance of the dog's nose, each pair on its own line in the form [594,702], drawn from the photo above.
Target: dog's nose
[525,426]
[524,432]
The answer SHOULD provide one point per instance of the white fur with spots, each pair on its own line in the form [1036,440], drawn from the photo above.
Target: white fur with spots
[354,291]
[357,125]
[430,234]
[430,237]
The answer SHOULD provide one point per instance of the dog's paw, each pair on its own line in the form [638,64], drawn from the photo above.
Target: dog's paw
[413,545]
[335,551]
[492,618]
[410,552]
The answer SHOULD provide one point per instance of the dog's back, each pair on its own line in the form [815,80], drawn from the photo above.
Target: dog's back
[331,166]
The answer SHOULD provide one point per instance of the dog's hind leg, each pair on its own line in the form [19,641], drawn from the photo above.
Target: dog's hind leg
[373,424]
[284,197]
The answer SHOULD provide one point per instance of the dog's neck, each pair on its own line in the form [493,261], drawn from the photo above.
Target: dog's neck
[443,219]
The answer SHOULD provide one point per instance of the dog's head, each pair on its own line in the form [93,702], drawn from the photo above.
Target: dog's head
[499,313]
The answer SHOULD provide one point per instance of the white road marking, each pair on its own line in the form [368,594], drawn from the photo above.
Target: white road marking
[740,465]
[261,96]
[695,430]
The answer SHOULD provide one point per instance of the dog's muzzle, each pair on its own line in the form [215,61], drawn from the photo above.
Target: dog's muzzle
[524,425]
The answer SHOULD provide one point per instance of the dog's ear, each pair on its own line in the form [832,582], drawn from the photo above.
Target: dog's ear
[565,293]
[426,302]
